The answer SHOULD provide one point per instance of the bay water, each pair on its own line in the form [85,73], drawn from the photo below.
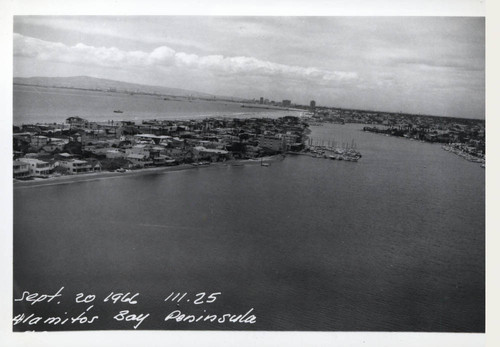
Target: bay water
[34,104]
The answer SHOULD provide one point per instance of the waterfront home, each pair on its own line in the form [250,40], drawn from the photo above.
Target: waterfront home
[139,160]
[289,139]
[177,153]
[157,155]
[202,153]
[21,169]
[271,142]
[252,151]
[38,168]
[95,166]
[75,166]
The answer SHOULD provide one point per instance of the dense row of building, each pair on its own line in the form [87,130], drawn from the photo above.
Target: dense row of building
[80,146]
[463,134]
[284,103]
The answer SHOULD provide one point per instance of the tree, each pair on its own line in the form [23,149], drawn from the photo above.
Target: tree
[73,147]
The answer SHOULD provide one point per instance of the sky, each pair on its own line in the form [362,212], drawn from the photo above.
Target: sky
[425,65]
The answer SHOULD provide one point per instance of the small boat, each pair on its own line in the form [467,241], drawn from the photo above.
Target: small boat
[117,111]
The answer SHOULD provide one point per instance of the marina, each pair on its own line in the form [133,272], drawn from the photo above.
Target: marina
[346,152]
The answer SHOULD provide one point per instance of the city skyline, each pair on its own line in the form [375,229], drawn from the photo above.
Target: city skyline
[425,65]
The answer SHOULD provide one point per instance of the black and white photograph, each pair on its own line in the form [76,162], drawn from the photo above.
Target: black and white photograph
[248,173]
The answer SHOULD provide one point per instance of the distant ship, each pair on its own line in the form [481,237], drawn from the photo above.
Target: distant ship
[117,111]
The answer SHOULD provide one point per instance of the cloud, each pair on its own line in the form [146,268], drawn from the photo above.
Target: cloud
[164,56]
[122,28]
[445,63]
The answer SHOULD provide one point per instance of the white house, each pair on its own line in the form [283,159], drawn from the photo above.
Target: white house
[76,166]
[38,168]
[21,169]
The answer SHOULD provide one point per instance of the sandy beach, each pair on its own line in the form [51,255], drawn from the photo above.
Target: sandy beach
[67,179]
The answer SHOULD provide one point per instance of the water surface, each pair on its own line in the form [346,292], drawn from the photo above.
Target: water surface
[40,105]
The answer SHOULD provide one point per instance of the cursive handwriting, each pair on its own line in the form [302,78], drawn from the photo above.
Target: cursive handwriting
[246,318]
[86,305]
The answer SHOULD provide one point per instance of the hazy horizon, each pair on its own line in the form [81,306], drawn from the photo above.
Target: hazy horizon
[418,65]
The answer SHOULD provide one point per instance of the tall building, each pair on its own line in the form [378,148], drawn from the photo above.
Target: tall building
[312,104]
[261,100]
[287,103]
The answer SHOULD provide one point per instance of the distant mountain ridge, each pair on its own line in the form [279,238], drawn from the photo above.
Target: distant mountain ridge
[93,83]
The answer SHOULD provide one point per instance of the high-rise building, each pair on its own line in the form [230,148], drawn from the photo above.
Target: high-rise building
[261,100]
[312,104]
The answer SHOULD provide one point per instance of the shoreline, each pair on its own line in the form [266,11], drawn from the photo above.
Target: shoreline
[67,179]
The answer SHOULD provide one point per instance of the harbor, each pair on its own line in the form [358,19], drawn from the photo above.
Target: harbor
[345,151]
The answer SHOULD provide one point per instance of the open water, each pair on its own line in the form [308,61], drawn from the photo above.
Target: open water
[48,105]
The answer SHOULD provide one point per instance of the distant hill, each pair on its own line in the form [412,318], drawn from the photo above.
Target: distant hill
[92,83]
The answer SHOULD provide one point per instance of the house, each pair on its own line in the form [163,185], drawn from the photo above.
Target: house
[202,153]
[39,141]
[138,149]
[64,156]
[156,155]
[271,142]
[177,153]
[95,166]
[21,169]
[77,122]
[139,155]
[53,146]
[139,160]
[75,166]
[289,140]
[25,137]
[38,168]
